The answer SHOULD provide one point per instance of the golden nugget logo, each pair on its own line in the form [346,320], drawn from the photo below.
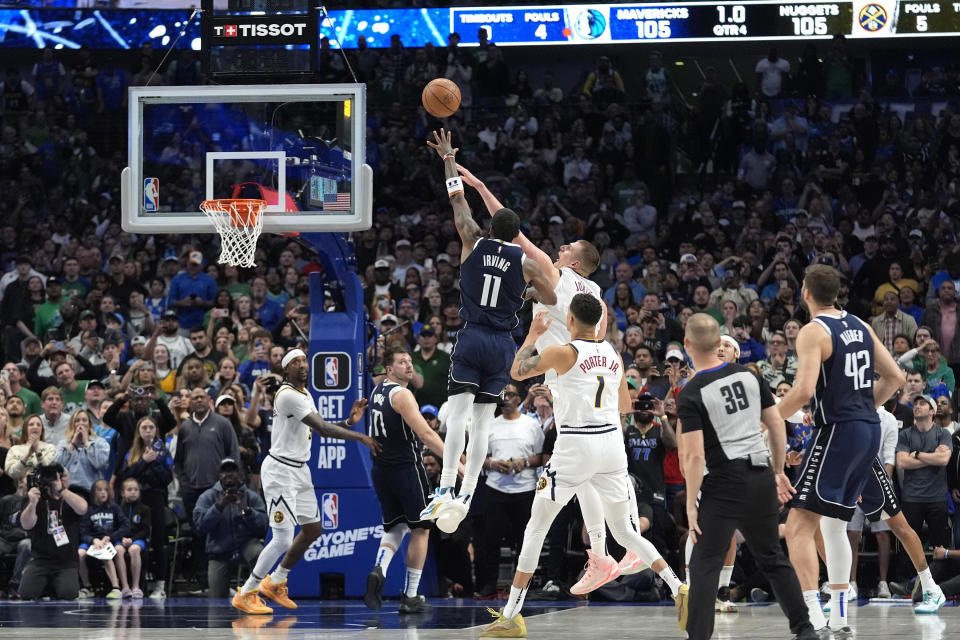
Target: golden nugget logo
[278,517]
[542,483]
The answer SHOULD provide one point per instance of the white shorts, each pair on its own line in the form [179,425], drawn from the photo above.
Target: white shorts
[289,493]
[856,522]
[599,460]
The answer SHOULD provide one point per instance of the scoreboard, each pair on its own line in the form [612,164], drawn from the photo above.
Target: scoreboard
[704,21]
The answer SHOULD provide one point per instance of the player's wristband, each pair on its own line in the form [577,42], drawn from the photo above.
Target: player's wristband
[946,553]
[449,155]
[454,186]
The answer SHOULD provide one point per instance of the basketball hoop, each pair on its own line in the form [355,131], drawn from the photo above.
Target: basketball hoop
[239,223]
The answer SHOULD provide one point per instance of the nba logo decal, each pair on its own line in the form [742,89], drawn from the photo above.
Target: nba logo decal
[331,371]
[151,194]
[330,511]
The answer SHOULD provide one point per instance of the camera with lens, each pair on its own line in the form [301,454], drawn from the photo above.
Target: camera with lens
[271,385]
[643,402]
[44,477]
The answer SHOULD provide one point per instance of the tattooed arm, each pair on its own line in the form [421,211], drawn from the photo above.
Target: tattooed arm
[467,227]
[527,364]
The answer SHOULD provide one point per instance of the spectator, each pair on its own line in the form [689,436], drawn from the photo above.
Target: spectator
[32,450]
[778,366]
[732,288]
[434,365]
[513,455]
[204,439]
[166,335]
[944,415]
[203,349]
[72,391]
[893,322]
[923,452]
[13,539]
[648,437]
[191,293]
[604,83]
[936,370]
[83,453]
[771,73]
[641,218]
[226,406]
[624,274]
[943,318]
[53,560]
[130,408]
[193,374]
[104,525]
[134,544]
[269,312]
[896,283]
[11,383]
[233,521]
[258,364]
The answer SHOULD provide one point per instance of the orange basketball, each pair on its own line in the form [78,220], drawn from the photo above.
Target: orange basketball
[441,97]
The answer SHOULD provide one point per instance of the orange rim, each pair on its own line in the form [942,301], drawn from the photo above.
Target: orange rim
[243,211]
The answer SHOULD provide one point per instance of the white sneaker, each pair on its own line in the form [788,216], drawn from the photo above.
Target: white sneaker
[440,497]
[825,589]
[932,601]
[85,593]
[883,590]
[451,513]
[158,593]
[852,592]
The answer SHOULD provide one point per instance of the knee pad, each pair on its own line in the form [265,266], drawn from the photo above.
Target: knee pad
[837,549]
[395,536]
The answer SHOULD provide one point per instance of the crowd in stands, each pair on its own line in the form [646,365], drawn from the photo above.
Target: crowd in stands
[139,374]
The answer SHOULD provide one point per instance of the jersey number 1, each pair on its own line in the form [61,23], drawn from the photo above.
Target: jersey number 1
[379,430]
[491,290]
[597,401]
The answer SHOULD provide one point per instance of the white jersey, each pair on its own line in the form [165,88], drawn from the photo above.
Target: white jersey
[570,284]
[591,389]
[290,438]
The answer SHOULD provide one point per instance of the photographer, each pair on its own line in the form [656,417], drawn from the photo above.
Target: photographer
[52,518]
[138,403]
[732,288]
[233,520]
[647,442]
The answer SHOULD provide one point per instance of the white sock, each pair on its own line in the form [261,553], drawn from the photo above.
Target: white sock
[514,602]
[279,575]
[725,574]
[413,582]
[598,539]
[384,556]
[272,552]
[687,552]
[926,579]
[814,610]
[591,507]
[838,608]
[670,578]
[478,445]
[458,408]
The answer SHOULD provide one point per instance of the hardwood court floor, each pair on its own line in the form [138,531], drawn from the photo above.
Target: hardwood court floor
[202,619]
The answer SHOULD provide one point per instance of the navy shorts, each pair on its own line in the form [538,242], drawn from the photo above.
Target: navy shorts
[878,499]
[480,362]
[836,467]
[402,491]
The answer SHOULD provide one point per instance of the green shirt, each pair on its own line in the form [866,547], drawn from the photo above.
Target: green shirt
[31,401]
[45,318]
[625,191]
[75,289]
[944,373]
[73,400]
[237,290]
[435,372]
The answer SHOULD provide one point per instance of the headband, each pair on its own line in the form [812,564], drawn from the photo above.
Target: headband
[733,342]
[291,356]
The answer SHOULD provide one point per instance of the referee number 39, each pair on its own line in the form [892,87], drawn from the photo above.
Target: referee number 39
[734,397]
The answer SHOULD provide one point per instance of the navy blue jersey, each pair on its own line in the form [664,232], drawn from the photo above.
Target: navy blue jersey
[386,426]
[492,284]
[845,385]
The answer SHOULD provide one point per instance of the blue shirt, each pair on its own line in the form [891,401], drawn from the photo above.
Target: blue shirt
[751,351]
[637,289]
[251,370]
[844,390]
[183,286]
[492,284]
[270,314]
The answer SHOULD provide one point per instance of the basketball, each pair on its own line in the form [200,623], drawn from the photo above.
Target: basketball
[441,97]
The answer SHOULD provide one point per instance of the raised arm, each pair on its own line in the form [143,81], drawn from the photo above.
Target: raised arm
[526,364]
[533,274]
[810,355]
[342,429]
[467,227]
[891,375]
[532,251]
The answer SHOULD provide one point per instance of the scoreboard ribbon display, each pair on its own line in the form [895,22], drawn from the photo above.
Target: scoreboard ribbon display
[704,21]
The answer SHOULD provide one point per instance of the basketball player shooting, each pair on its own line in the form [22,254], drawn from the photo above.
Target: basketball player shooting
[493,275]
[288,486]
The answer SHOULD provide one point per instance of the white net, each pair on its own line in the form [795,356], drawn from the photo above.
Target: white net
[239,223]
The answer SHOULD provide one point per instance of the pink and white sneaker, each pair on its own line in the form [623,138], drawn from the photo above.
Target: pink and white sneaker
[599,571]
[630,564]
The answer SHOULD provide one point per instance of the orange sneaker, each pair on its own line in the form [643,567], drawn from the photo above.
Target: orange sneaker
[277,592]
[251,622]
[250,602]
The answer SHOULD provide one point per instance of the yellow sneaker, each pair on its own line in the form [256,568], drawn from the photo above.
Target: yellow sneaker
[277,591]
[502,627]
[250,602]
[682,602]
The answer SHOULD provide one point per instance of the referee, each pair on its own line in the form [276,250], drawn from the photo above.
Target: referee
[720,411]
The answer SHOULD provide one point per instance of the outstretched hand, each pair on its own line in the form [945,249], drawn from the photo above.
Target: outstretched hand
[468,178]
[442,143]
[356,411]
[540,324]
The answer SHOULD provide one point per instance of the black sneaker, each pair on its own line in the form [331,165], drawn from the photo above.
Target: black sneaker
[723,594]
[416,604]
[373,596]
[842,634]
